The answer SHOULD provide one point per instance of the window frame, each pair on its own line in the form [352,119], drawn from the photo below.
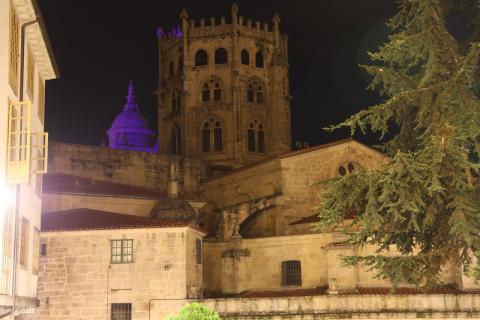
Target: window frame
[212,136]
[259,63]
[247,56]
[122,254]
[219,58]
[36,251]
[122,314]
[197,60]
[291,273]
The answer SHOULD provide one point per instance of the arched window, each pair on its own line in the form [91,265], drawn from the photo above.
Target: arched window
[176,101]
[205,92]
[176,139]
[212,136]
[245,57]
[255,92]
[180,64]
[348,168]
[211,91]
[201,58]
[170,69]
[217,92]
[221,56]
[291,273]
[255,137]
[259,59]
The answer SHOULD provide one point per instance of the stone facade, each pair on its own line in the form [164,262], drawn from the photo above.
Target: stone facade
[39,66]
[140,169]
[79,281]
[184,112]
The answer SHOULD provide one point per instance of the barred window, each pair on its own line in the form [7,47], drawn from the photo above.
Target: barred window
[198,250]
[122,251]
[121,311]
[291,273]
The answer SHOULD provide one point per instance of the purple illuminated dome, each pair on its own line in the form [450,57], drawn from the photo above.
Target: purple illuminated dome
[130,130]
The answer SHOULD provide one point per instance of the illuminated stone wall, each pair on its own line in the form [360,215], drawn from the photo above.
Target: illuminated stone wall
[77,280]
[134,168]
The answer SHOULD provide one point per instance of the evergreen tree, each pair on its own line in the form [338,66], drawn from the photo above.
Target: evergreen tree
[426,202]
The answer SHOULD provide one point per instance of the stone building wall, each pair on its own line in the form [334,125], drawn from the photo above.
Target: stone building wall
[135,168]
[78,280]
[401,307]
[127,205]
[293,177]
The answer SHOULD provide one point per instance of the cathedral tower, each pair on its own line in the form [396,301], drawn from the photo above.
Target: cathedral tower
[223,91]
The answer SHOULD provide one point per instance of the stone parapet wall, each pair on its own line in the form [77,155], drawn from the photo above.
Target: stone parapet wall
[431,306]
[135,168]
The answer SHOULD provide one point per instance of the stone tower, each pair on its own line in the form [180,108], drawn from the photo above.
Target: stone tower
[223,91]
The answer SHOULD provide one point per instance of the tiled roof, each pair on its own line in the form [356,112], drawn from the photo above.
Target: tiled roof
[88,219]
[65,183]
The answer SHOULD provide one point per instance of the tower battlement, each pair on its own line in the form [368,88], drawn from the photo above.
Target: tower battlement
[223,91]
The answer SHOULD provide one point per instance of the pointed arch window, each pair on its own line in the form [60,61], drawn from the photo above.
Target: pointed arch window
[255,92]
[212,136]
[245,57]
[201,58]
[180,64]
[212,91]
[176,101]
[170,69]
[255,137]
[259,59]
[176,139]
[221,56]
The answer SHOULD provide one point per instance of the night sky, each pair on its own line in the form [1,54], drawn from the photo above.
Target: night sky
[100,45]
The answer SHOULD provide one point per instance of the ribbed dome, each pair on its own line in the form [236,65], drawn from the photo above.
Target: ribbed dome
[130,118]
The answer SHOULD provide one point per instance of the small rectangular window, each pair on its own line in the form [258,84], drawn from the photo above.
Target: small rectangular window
[122,251]
[198,250]
[121,311]
[291,273]
[43,249]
